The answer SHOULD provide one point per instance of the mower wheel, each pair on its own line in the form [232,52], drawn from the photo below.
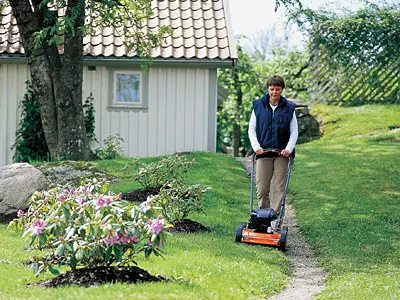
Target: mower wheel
[238,234]
[282,239]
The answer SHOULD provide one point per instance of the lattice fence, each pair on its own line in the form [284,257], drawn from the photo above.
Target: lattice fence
[359,68]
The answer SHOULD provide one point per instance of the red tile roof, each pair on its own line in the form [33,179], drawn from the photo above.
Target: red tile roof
[199,30]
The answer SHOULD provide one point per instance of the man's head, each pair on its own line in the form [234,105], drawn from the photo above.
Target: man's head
[275,85]
[276,81]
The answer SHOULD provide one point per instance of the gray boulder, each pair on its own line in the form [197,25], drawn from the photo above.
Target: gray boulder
[18,182]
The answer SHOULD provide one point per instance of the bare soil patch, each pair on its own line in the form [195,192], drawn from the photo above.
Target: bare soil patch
[101,275]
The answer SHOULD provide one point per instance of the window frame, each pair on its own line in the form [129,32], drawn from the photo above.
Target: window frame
[143,90]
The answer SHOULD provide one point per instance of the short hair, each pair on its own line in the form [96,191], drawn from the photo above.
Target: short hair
[276,80]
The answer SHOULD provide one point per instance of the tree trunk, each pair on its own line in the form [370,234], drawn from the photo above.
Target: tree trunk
[56,79]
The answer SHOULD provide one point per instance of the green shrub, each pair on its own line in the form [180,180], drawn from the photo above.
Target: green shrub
[30,143]
[88,226]
[178,201]
[88,108]
[157,174]
[112,147]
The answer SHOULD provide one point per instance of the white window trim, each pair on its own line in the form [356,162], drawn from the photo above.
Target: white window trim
[143,90]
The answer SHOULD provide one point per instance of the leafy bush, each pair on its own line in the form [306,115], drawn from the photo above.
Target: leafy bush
[85,227]
[112,147]
[157,174]
[178,201]
[30,142]
[89,111]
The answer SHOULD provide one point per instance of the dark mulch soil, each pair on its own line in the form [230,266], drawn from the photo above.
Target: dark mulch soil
[140,195]
[101,275]
[188,226]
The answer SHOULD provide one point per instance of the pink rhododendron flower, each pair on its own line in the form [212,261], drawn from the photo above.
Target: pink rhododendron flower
[120,195]
[124,239]
[37,226]
[20,213]
[134,239]
[156,225]
[80,201]
[100,202]
[112,240]
[35,213]
[109,201]
[61,239]
[61,197]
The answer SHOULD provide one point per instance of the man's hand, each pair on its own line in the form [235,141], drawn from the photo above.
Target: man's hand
[260,151]
[285,153]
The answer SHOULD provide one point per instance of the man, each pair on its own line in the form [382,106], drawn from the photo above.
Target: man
[273,125]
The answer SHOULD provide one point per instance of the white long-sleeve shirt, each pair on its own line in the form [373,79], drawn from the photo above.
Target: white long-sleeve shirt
[294,131]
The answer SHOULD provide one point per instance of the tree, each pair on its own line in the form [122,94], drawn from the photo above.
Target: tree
[242,85]
[57,77]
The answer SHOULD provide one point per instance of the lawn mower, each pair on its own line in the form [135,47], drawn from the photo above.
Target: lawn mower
[265,224]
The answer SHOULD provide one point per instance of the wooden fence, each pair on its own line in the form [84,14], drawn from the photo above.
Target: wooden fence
[342,77]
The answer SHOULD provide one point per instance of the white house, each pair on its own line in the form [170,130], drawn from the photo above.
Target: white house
[171,108]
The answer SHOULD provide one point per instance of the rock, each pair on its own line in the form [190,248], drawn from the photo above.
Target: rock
[18,182]
[308,126]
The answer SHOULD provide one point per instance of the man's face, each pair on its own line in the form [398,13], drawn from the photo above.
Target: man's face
[274,92]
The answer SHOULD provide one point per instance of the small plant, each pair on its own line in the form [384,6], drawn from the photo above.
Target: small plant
[30,143]
[112,147]
[178,201]
[157,174]
[89,111]
[88,226]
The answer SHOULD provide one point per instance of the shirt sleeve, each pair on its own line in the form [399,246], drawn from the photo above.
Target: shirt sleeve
[294,134]
[252,132]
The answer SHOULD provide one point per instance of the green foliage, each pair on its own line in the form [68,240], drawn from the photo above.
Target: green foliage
[178,201]
[88,226]
[30,143]
[354,56]
[88,110]
[293,67]
[243,81]
[112,147]
[162,172]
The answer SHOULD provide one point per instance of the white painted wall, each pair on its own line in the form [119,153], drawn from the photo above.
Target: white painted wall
[180,115]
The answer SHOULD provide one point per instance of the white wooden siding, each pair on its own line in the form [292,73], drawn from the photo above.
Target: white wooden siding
[177,118]
[12,91]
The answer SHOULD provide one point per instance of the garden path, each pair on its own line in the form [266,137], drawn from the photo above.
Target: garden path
[308,280]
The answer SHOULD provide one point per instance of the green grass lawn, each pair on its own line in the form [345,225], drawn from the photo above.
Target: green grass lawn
[203,265]
[347,199]
[344,188]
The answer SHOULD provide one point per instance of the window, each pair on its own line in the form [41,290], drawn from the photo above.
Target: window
[129,89]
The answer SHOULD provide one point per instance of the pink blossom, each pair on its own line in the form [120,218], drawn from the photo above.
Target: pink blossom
[149,243]
[20,213]
[112,240]
[61,197]
[120,195]
[37,226]
[100,202]
[45,200]
[124,239]
[80,201]
[134,238]
[35,213]
[61,239]
[156,225]
[109,201]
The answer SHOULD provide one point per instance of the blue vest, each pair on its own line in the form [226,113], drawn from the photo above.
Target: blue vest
[273,128]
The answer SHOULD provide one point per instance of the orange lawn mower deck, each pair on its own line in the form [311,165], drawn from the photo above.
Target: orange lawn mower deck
[265,225]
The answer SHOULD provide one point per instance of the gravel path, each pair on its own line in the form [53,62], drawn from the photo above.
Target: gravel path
[308,280]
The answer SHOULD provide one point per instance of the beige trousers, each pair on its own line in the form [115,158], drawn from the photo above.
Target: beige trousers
[270,181]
